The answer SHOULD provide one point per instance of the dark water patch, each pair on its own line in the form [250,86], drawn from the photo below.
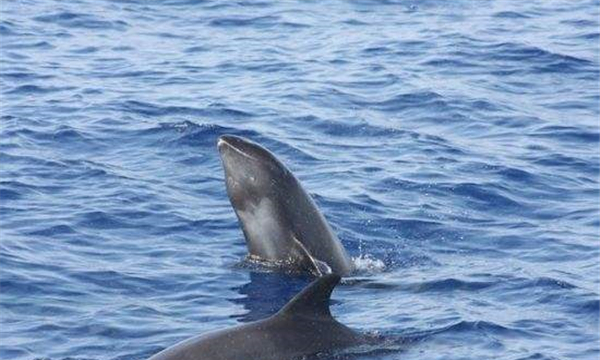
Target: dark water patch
[552,283]
[581,23]
[517,175]
[6,28]
[262,66]
[541,59]
[142,74]
[22,188]
[63,136]
[255,22]
[14,56]
[82,21]
[569,105]
[377,50]
[186,2]
[537,356]
[354,22]
[450,64]
[589,36]
[85,50]
[53,231]
[557,160]
[591,307]
[166,35]
[41,45]
[196,49]
[485,196]
[101,220]
[25,76]
[34,89]
[450,285]
[568,134]
[11,352]
[510,15]
[122,48]
[7,194]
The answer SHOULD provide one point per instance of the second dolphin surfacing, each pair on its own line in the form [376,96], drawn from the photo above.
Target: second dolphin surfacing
[303,327]
[280,221]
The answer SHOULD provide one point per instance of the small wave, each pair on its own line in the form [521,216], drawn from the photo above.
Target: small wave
[568,133]
[85,50]
[22,75]
[196,49]
[510,15]
[581,23]
[406,101]
[149,109]
[34,89]
[261,21]
[41,45]
[482,326]
[559,160]
[485,195]
[53,231]
[138,74]
[537,356]
[78,20]
[552,283]
[361,130]
[540,60]
[101,220]
[6,28]
[449,64]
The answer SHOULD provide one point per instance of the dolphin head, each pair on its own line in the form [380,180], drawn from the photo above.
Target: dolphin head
[251,171]
[280,221]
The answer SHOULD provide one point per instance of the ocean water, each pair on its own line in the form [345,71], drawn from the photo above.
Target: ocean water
[452,145]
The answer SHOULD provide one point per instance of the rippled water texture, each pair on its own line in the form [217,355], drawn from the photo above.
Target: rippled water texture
[453,146]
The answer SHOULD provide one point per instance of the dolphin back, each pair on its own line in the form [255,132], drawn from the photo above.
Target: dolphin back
[303,327]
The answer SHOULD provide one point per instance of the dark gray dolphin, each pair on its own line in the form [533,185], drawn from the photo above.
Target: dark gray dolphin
[303,327]
[280,221]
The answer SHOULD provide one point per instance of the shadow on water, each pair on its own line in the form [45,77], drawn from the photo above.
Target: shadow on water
[266,293]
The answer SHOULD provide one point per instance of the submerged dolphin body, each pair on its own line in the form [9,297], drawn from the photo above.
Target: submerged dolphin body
[303,327]
[280,221]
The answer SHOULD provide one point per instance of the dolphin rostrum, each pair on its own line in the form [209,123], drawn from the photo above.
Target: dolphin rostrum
[280,221]
[303,327]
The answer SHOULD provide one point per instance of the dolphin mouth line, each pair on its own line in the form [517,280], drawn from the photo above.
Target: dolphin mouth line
[224,142]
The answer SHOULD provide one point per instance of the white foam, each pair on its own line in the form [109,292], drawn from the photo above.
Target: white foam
[365,263]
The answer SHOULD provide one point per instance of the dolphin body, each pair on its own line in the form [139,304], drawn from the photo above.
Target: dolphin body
[303,327]
[280,221]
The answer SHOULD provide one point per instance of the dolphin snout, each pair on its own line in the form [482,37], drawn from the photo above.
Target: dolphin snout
[222,142]
[239,145]
[233,141]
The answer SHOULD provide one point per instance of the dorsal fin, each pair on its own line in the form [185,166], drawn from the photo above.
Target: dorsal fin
[313,300]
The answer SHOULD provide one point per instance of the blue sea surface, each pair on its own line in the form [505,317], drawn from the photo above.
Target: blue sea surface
[452,145]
